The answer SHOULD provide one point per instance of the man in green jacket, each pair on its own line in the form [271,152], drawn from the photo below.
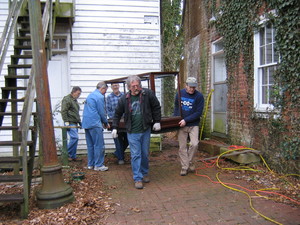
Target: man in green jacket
[70,115]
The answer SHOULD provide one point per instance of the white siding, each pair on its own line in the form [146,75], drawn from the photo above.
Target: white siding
[111,39]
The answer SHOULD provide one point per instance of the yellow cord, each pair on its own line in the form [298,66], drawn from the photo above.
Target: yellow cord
[205,112]
[250,169]
[250,200]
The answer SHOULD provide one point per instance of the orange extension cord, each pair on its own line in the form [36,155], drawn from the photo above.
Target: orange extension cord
[230,185]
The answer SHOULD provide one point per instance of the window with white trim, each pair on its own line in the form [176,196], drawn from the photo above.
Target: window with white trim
[265,62]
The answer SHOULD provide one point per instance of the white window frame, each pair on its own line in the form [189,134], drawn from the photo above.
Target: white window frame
[258,95]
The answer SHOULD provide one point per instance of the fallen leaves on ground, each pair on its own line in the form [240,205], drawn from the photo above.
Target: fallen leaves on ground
[93,203]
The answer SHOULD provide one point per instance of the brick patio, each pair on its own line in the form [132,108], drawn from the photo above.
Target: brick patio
[172,199]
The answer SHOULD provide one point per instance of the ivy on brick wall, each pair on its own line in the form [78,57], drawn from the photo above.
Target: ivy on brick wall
[172,40]
[236,22]
[287,77]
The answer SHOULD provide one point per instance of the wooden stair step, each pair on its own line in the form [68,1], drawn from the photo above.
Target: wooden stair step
[22,47]
[24,30]
[13,113]
[14,143]
[12,100]
[11,178]
[17,77]
[19,66]
[12,198]
[13,127]
[23,38]
[22,56]
[10,159]
[13,88]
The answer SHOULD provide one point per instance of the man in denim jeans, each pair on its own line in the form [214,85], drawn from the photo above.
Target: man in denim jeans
[121,141]
[70,115]
[140,108]
[93,121]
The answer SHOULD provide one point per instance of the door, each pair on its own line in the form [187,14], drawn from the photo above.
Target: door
[219,109]
[59,85]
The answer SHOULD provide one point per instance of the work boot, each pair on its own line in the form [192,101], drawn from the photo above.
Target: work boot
[138,185]
[146,179]
[192,168]
[183,172]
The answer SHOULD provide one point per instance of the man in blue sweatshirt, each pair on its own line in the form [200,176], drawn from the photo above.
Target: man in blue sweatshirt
[191,103]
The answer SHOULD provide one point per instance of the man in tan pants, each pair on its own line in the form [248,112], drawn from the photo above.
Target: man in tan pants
[191,103]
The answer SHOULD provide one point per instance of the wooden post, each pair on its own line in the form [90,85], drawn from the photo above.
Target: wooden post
[54,191]
[64,152]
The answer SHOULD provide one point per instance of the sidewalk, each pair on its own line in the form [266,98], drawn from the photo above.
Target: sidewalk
[173,199]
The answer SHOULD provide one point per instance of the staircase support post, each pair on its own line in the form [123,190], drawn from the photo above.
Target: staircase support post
[54,191]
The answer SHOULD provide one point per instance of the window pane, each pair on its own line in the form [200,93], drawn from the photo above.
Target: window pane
[276,55]
[219,68]
[54,44]
[264,74]
[264,95]
[262,55]
[269,53]
[268,34]
[271,72]
[220,98]
[262,36]
[62,43]
[271,97]
[219,46]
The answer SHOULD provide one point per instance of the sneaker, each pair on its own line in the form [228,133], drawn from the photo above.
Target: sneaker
[192,168]
[138,185]
[146,179]
[183,172]
[121,162]
[101,168]
[90,167]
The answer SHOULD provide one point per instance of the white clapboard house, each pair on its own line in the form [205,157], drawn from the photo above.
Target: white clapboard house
[93,40]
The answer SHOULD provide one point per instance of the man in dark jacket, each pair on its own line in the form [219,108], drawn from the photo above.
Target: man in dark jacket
[141,109]
[191,103]
[70,115]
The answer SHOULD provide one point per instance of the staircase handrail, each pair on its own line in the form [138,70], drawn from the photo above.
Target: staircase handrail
[10,24]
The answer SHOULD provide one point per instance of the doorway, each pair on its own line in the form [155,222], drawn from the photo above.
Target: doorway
[219,75]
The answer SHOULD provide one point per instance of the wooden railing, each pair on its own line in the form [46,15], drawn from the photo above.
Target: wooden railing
[9,29]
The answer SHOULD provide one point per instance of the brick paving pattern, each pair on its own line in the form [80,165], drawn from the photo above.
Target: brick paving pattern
[173,199]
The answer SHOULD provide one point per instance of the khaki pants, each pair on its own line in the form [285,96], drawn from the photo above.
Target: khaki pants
[186,153]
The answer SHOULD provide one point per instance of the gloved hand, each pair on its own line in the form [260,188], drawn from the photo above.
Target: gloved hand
[67,124]
[156,127]
[114,133]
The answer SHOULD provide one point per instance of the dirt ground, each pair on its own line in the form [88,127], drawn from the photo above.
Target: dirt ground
[93,202]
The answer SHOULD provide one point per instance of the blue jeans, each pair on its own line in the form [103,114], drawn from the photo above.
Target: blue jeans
[95,146]
[139,148]
[72,145]
[121,144]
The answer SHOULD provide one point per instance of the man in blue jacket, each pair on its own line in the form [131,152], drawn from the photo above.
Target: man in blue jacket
[93,121]
[141,109]
[191,103]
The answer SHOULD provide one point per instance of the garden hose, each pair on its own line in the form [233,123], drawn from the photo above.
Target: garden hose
[250,169]
[205,112]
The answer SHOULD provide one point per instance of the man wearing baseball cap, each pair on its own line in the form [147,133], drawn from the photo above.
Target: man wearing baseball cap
[191,103]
